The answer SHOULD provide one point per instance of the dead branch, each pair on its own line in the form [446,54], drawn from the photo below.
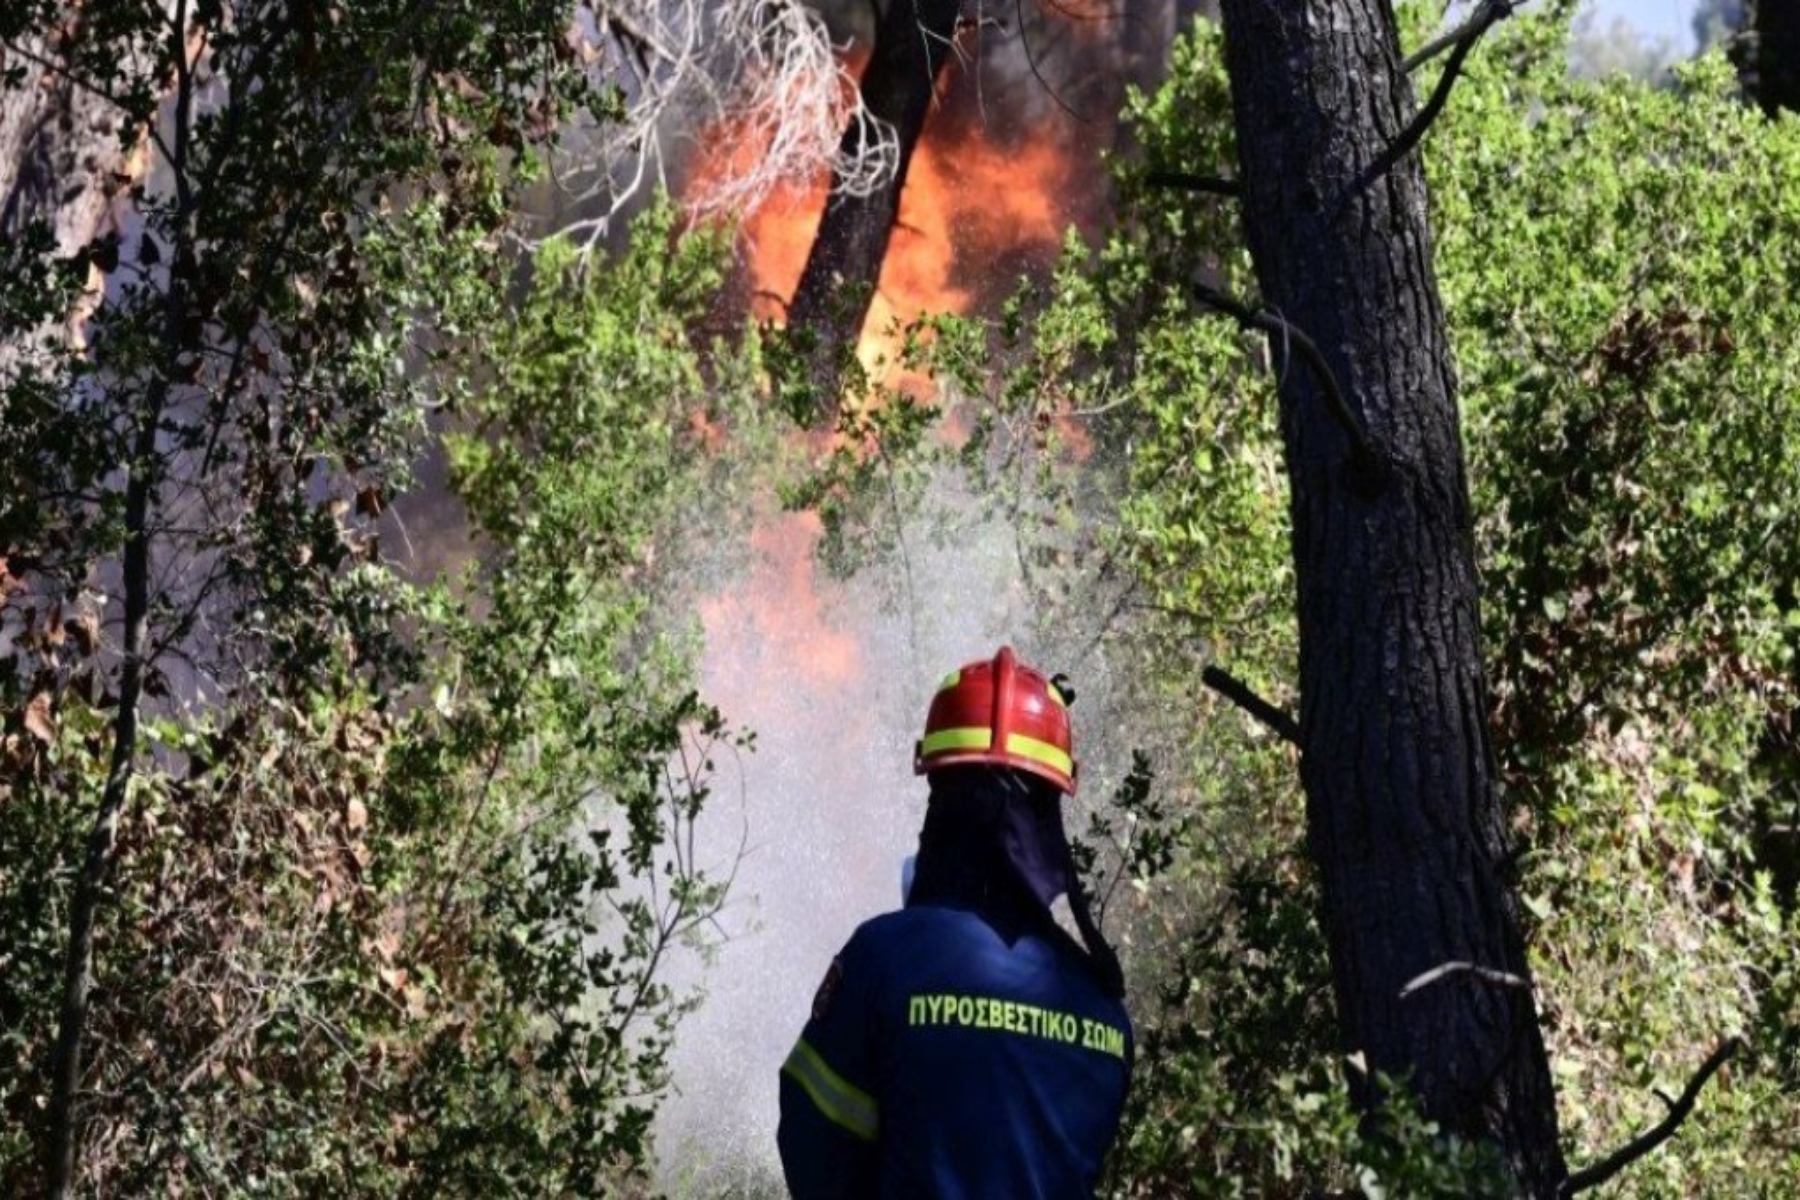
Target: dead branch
[1662,1131]
[1464,34]
[1292,338]
[1211,185]
[761,73]
[1239,693]
[1491,13]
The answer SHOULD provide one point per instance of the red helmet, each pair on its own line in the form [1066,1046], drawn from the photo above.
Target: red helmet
[1002,713]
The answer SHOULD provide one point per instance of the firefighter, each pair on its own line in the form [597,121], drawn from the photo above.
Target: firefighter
[966,1045]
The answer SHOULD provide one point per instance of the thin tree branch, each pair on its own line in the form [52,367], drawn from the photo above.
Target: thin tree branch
[1662,1131]
[1292,338]
[1187,181]
[142,486]
[61,71]
[1468,31]
[1485,18]
[1239,693]
[1036,72]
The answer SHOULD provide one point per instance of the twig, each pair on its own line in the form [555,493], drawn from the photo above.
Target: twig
[1294,338]
[1486,974]
[1037,72]
[1485,18]
[1239,693]
[1187,181]
[1468,31]
[1662,1131]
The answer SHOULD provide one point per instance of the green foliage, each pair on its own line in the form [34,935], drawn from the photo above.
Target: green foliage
[1615,262]
[402,862]
[372,947]
[1629,396]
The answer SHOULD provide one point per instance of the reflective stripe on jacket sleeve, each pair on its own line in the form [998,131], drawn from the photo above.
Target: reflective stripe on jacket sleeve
[841,1102]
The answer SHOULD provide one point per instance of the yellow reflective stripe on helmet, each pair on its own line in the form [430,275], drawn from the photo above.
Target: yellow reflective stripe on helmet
[950,681]
[1041,752]
[841,1102]
[968,738]
[1055,694]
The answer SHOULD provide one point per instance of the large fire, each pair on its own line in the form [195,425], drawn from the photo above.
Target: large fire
[831,680]
[975,213]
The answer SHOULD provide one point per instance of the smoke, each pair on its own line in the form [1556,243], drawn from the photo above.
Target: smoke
[834,676]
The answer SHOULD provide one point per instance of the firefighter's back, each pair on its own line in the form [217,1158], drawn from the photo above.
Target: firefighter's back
[1000,1064]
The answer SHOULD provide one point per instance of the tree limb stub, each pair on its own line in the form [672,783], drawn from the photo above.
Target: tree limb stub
[1662,1131]
[1187,181]
[1239,693]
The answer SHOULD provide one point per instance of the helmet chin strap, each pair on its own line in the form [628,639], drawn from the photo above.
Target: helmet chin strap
[1100,952]
[1052,842]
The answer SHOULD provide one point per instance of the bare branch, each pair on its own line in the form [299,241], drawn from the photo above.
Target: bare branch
[762,73]
[1036,72]
[1239,693]
[1466,33]
[1662,1131]
[1292,338]
[1186,181]
[1486,17]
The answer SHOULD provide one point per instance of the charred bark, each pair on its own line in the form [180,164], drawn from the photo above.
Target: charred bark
[1403,819]
[1777,55]
[913,39]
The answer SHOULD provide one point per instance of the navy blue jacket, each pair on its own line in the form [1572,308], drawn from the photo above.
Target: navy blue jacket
[943,1060]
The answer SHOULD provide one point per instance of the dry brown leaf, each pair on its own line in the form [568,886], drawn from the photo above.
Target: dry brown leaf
[356,816]
[386,944]
[84,627]
[52,635]
[40,718]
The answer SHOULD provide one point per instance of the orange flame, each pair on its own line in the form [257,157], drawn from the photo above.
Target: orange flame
[974,213]
[776,626]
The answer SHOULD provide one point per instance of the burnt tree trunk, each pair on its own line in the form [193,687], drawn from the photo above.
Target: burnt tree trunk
[1777,53]
[1403,820]
[913,39]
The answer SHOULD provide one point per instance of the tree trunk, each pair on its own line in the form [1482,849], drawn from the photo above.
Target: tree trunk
[912,42]
[1778,55]
[62,161]
[1403,820]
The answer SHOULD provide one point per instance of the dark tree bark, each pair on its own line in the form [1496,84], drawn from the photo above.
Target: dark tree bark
[1777,55]
[912,42]
[1403,820]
